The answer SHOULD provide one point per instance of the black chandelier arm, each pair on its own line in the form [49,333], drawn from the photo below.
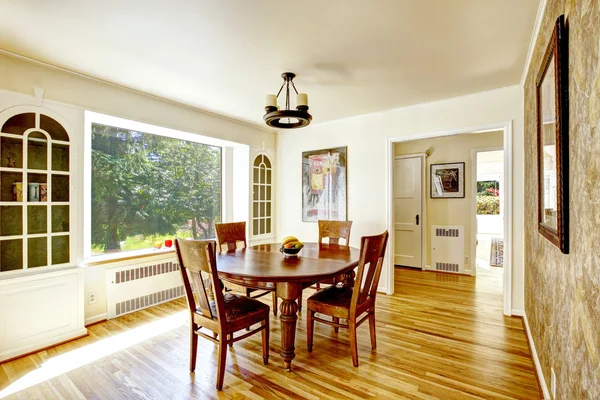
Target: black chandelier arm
[287,95]
[280,89]
[294,86]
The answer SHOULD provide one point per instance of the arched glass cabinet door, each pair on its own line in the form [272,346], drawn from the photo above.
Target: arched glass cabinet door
[35,208]
[262,200]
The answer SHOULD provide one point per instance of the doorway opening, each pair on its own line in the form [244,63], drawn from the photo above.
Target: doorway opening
[488,184]
[452,216]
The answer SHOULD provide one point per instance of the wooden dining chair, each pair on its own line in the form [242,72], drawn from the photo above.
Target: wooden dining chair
[224,315]
[350,303]
[230,234]
[333,231]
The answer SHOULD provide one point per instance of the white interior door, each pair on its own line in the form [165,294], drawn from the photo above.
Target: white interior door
[407,211]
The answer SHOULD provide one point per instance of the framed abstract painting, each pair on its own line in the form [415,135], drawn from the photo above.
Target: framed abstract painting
[324,185]
[448,181]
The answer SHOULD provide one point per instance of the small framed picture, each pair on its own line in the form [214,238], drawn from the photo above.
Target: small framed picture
[448,181]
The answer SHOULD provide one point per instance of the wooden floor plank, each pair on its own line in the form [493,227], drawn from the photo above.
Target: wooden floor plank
[440,336]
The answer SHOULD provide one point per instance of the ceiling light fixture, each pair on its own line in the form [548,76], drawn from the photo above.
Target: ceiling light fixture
[288,118]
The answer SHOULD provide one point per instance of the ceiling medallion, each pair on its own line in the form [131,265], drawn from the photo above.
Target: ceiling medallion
[288,118]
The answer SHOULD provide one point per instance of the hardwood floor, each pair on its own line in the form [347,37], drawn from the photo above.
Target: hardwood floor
[441,336]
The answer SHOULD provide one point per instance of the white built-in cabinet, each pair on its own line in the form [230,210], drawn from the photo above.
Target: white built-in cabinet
[41,291]
[262,196]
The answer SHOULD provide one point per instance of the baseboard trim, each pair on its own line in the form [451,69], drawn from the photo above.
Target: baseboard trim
[536,360]
[96,318]
[517,313]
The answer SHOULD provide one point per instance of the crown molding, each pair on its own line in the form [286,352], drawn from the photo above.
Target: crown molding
[533,40]
[129,89]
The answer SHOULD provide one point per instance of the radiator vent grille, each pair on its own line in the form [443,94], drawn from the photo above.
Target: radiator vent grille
[447,232]
[145,272]
[138,303]
[450,267]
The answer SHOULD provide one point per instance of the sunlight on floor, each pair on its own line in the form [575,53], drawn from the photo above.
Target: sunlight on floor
[74,359]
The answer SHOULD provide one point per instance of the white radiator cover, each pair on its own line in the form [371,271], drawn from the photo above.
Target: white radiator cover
[448,248]
[142,284]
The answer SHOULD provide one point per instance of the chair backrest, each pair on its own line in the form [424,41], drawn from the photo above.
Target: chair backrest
[230,234]
[372,252]
[198,268]
[335,230]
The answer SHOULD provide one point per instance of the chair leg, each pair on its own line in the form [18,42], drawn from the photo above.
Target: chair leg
[265,341]
[318,286]
[248,292]
[229,337]
[222,361]
[274,303]
[353,343]
[193,346]
[310,325]
[337,321]
[300,302]
[372,330]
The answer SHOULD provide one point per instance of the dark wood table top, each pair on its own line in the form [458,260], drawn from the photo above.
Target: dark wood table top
[266,263]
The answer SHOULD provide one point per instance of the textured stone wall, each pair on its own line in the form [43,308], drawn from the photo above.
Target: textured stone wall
[562,292]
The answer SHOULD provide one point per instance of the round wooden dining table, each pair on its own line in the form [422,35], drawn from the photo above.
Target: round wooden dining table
[265,267]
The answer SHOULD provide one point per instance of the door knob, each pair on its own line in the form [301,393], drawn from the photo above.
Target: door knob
[417,218]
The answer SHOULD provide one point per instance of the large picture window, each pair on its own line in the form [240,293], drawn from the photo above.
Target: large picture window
[147,188]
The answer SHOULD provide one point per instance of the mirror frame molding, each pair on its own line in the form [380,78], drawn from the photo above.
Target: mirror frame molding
[557,47]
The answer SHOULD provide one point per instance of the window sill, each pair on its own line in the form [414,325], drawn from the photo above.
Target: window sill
[128,255]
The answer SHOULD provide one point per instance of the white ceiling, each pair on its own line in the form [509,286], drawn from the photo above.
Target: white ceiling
[352,57]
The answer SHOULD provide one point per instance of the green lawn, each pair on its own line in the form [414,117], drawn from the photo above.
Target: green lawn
[139,242]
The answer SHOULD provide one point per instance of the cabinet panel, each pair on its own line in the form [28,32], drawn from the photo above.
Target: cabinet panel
[60,249]
[11,186]
[37,151]
[11,152]
[60,188]
[11,254]
[11,220]
[40,311]
[60,157]
[37,252]
[37,219]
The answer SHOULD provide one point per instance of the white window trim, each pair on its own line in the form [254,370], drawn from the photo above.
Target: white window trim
[93,117]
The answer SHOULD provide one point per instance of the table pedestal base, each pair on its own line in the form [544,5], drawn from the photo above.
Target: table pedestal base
[289,293]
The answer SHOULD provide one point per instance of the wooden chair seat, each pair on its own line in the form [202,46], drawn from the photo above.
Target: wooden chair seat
[333,301]
[239,311]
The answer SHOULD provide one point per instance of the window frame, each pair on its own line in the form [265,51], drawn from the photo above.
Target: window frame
[93,117]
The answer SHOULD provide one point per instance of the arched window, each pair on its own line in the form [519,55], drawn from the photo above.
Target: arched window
[34,192]
[262,196]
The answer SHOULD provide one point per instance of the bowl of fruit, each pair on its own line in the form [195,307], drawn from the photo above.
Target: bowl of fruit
[291,246]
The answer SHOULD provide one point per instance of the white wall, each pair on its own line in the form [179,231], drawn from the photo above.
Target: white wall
[366,136]
[70,95]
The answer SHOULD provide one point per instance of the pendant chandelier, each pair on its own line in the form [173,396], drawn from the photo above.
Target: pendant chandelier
[287,118]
